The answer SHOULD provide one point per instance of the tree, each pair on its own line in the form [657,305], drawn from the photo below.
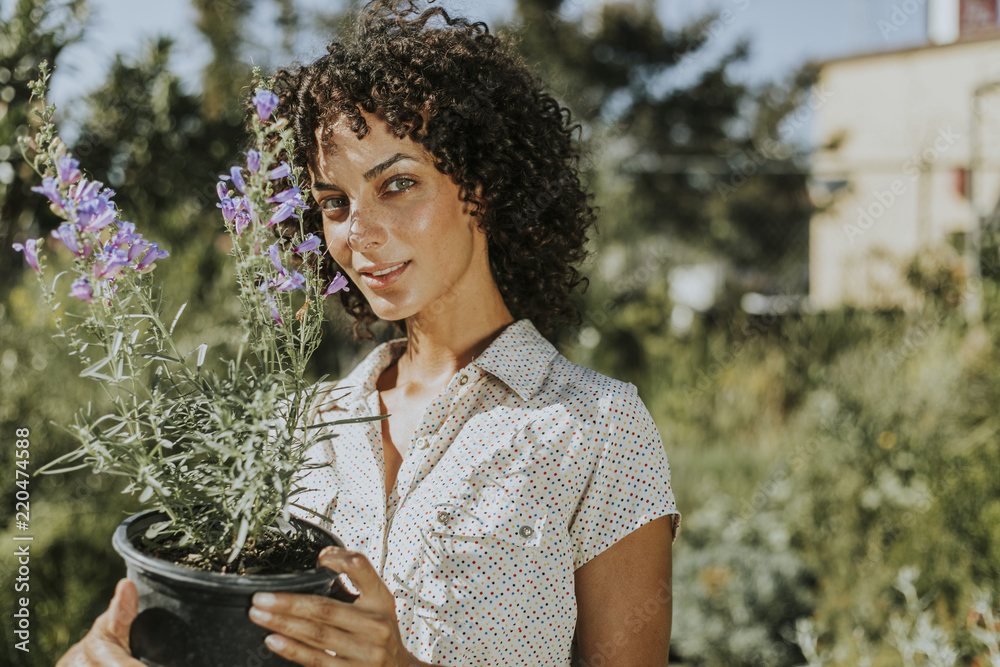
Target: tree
[37,30]
[686,158]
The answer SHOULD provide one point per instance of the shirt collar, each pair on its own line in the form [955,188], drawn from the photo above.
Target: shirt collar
[520,356]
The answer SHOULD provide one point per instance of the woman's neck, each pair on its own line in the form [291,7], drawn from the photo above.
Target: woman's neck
[437,349]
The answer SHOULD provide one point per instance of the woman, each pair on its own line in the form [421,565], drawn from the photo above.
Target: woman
[514,508]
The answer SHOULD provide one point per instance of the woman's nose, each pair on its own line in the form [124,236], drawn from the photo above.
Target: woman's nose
[365,234]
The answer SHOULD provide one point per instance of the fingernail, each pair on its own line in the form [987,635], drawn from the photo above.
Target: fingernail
[263,600]
[275,641]
[259,614]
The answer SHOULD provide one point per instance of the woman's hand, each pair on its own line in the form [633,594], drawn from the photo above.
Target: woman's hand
[363,632]
[107,642]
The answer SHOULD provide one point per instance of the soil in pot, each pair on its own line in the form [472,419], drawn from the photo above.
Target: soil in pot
[193,618]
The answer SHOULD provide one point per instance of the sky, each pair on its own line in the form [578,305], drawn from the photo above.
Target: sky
[783,34]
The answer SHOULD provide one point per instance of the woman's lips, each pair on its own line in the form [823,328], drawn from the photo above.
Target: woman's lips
[381,282]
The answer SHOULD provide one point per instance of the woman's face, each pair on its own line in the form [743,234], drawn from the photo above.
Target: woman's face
[384,204]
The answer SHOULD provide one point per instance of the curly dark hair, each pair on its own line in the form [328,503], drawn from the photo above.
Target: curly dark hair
[490,125]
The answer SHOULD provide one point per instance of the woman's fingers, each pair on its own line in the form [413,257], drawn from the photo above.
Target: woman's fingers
[110,632]
[317,621]
[309,627]
[123,609]
[318,634]
[107,642]
[301,654]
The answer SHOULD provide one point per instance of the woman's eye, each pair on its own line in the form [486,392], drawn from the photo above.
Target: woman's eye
[401,183]
[333,203]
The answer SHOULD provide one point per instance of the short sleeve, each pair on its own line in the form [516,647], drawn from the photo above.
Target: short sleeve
[630,485]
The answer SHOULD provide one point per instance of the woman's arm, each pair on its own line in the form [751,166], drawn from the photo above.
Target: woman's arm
[624,600]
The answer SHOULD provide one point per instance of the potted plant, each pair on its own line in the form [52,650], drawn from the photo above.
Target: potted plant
[216,456]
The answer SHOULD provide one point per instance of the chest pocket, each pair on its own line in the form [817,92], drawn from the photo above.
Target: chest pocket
[492,513]
[483,549]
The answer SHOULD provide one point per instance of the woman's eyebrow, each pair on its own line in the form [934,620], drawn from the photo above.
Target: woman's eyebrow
[371,173]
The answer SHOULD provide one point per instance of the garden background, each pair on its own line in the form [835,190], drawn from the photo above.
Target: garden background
[838,470]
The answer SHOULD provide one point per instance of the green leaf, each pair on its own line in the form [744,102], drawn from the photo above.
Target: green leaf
[202,349]
[92,370]
[117,343]
[241,538]
[154,530]
[157,355]
[311,511]
[177,317]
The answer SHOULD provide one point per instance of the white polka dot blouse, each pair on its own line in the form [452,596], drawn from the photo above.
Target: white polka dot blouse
[524,468]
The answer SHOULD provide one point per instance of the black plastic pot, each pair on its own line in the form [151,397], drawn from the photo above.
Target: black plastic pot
[190,618]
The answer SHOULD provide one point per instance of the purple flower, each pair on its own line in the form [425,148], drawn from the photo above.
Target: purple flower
[242,219]
[245,204]
[154,254]
[273,250]
[81,290]
[67,168]
[237,175]
[125,236]
[110,264]
[50,188]
[96,212]
[292,281]
[275,315]
[282,213]
[253,161]
[228,209]
[291,196]
[265,101]
[339,283]
[67,234]
[311,244]
[282,171]
[222,190]
[30,250]
[138,247]
[85,191]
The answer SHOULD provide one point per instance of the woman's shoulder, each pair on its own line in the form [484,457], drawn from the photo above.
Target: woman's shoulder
[606,406]
[523,356]
[580,383]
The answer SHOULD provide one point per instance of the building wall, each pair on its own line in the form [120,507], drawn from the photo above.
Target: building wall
[906,123]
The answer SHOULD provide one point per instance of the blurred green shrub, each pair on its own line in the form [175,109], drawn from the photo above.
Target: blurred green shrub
[738,590]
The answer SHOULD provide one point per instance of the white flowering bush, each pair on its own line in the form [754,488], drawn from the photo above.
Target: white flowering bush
[220,453]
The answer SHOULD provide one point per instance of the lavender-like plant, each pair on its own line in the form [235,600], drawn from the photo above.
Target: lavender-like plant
[221,454]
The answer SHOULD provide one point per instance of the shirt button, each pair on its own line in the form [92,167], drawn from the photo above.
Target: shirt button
[444,517]
[526,531]
[422,443]
[463,379]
